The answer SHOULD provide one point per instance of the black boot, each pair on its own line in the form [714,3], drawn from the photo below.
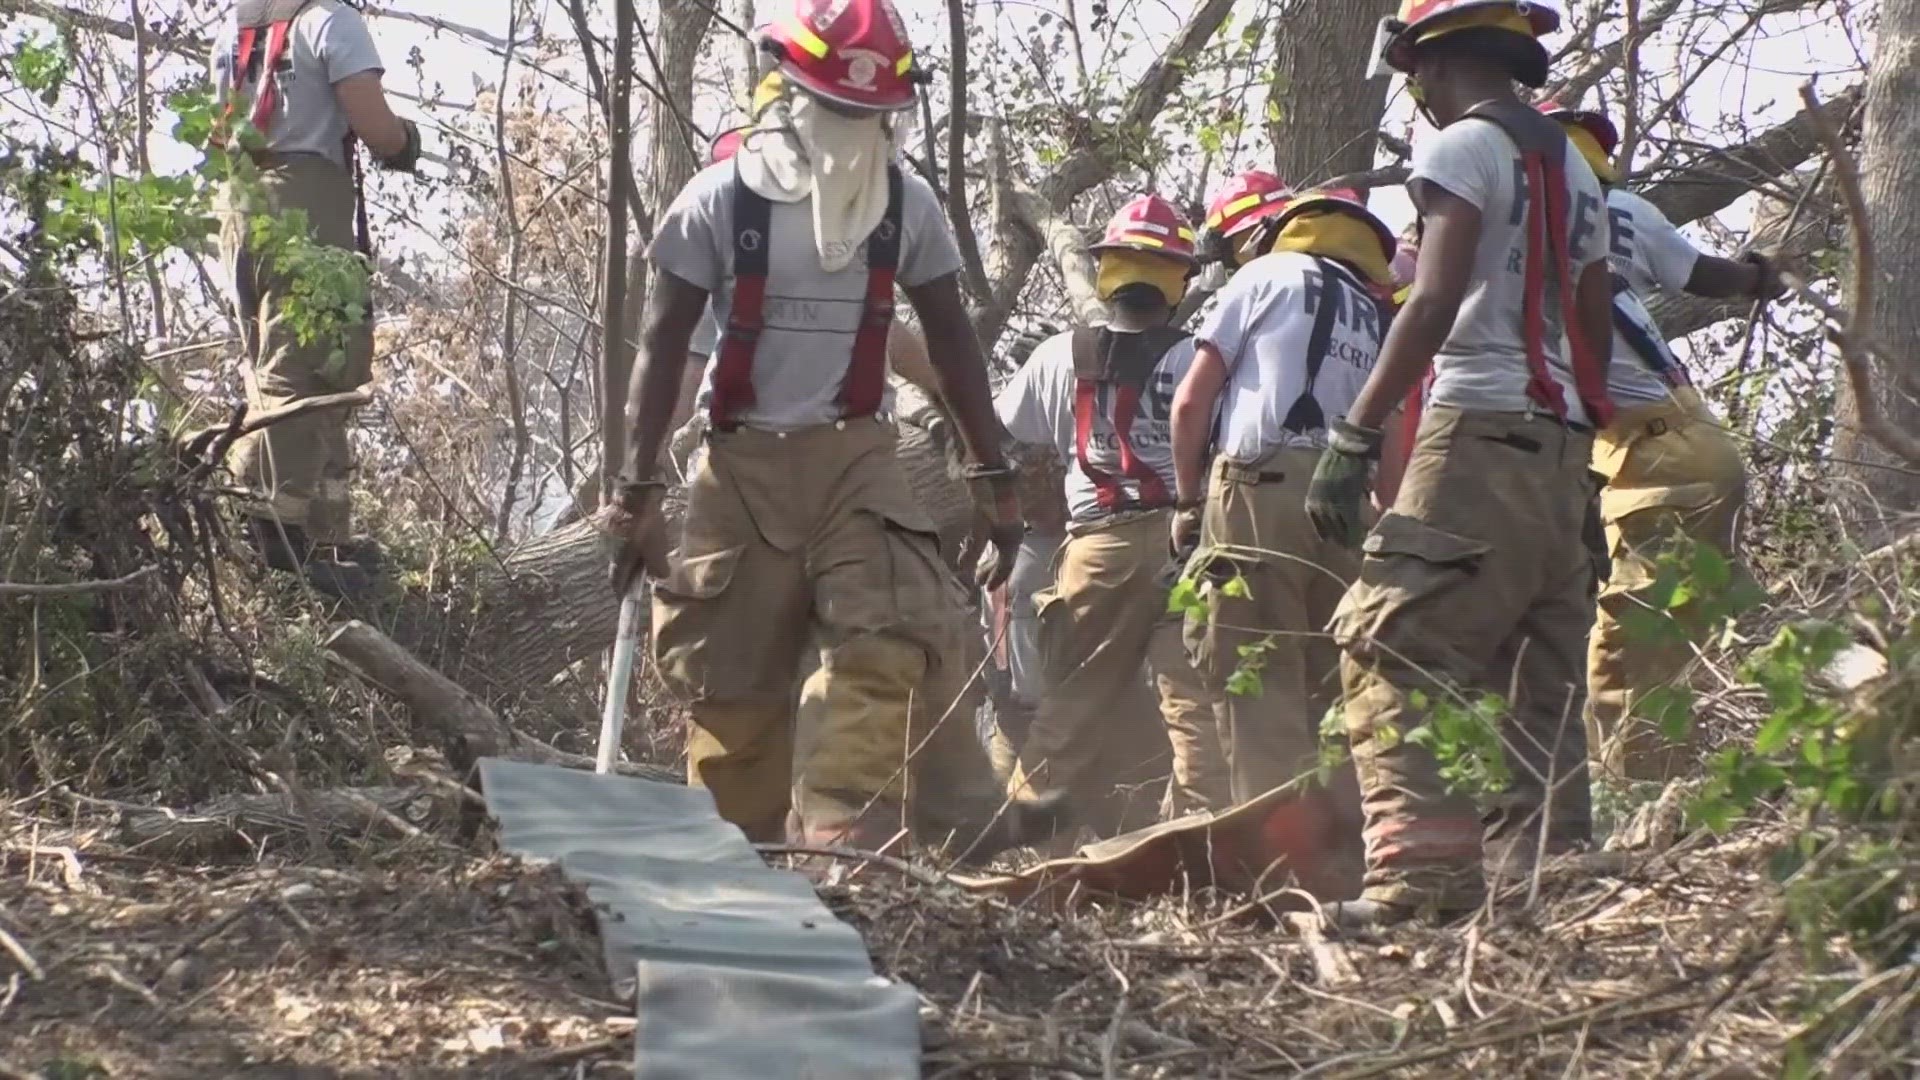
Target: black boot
[288,549]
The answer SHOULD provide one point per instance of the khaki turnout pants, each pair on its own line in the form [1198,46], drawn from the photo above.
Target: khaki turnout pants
[1476,580]
[956,785]
[792,539]
[1103,620]
[301,465]
[1673,474]
[1256,528]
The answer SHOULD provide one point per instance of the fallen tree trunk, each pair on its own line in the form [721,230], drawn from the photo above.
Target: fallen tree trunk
[547,607]
[456,716]
[238,826]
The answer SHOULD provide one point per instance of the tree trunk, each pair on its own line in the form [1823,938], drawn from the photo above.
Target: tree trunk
[551,608]
[1890,148]
[1326,111]
[616,359]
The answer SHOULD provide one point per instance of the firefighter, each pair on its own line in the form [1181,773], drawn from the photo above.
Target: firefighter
[1672,469]
[1286,348]
[800,524]
[305,76]
[1477,578]
[1100,397]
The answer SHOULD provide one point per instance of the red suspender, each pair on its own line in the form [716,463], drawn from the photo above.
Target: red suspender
[733,375]
[1540,384]
[866,382]
[1543,147]
[1126,406]
[268,96]
[1589,379]
[269,76]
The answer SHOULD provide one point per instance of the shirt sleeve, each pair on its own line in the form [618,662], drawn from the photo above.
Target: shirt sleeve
[686,241]
[345,46]
[1466,159]
[1021,404]
[928,249]
[1233,317]
[1669,256]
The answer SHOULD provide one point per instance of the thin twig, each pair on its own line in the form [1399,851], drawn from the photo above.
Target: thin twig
[22,957]
[75,588]
[897,865]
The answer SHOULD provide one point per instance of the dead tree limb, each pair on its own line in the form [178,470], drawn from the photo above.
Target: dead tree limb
[236,826]
[45,590]
[1852,331]
[461,720]
[1094,160]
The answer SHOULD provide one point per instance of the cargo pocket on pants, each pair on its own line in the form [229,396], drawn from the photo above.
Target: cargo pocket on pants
[690,625]
[1413,577]
[1200,632]
[1052,624]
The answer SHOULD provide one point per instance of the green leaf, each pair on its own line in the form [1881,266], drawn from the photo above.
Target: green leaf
[41,68]
[1235,588]
[1184,598]
[1773,734]
[1670,707]
[1711,570]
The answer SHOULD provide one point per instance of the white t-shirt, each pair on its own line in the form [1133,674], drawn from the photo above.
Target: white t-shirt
[1645,247]
[1483,364]
[810,315]
[1036,406]
[1263,325]
[1647,254]
[328,42]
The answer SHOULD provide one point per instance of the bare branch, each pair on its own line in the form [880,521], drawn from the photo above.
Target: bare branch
[1720,178]
[43,590]
[958,210]
[1019,242]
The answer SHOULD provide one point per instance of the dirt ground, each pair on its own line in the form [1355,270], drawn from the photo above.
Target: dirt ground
[413,959]
[419,964]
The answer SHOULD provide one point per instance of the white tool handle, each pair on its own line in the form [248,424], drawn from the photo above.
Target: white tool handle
[614,716]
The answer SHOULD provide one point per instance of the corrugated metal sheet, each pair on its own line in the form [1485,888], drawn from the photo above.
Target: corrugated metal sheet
[737,969]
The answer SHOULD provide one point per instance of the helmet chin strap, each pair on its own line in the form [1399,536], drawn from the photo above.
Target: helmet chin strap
[1420,105]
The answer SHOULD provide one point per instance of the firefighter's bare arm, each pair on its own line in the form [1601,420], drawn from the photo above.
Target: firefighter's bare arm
[395,142]
[1393,463]
[690,380]
[1192,419]
[635,523]
[954,354]
[1595,297]
[673,313]
[1439,286]
[1753,276]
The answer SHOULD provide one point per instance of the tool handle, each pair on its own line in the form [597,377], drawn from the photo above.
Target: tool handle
[614,715]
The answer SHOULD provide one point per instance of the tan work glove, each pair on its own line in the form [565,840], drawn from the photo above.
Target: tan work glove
[996,495]
[639,533]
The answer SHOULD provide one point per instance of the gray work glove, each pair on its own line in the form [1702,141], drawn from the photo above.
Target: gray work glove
[408,159]
[1338,493]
